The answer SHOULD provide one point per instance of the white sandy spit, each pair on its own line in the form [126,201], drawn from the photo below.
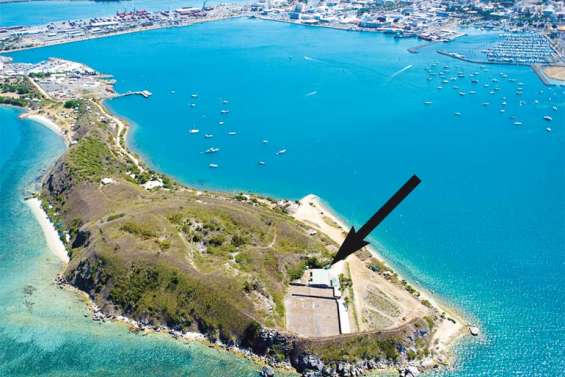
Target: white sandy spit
[43,121]
[49,232]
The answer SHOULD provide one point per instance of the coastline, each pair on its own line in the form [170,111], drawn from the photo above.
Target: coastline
[50,234]
[46,122]
[135,30]
[312,211]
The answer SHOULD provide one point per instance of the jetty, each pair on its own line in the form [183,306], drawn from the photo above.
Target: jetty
[143,93]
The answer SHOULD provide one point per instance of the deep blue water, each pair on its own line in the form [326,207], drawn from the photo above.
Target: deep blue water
[45,333]
[45,11]
[486,228]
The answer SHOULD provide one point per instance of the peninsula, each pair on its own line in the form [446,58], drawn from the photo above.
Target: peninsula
[249,272]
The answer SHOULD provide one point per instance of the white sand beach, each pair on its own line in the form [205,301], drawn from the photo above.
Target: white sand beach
[49,232]
[313,212]
[43,121]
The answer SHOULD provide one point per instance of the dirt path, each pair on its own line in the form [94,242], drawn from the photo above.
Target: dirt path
[122,128]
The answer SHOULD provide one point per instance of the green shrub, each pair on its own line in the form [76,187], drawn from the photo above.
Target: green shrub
[91,160]
[72,104]
[13,101]
[115,217]
[142,230]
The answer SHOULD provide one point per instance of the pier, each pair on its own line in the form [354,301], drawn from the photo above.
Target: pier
[143,93]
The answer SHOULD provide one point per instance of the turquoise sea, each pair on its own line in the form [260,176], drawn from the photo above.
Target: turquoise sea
[486,228]
[43,330]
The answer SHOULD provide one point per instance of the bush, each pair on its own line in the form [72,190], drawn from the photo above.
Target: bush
[344,281]
[295,272]
[13,101]
[72,104]
[138,229]
[90,160]
[115,217]
[238,240]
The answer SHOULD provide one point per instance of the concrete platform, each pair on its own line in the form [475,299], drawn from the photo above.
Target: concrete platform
[312,312]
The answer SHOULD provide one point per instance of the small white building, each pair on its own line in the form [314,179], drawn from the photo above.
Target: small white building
[150,185]
[319,278]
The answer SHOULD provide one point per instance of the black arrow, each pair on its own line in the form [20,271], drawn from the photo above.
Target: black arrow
[356,240]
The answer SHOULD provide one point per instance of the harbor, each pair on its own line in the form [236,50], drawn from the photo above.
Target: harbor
[17,38]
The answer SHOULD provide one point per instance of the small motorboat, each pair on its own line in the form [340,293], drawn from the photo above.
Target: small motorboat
[280,152]
[208,136]
[194,131]
[213,166]
[212,150]
[232,133]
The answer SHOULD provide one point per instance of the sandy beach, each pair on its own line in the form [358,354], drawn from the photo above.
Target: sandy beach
[49,232]
[313,212]
[44,121]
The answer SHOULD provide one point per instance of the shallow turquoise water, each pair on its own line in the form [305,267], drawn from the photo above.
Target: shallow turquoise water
[45,11]
[485,229]
[45,333]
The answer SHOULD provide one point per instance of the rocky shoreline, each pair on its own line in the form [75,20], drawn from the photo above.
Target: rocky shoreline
[305,363]
[83,223]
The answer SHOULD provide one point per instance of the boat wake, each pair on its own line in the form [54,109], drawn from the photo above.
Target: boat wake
[402,70]
[310,59]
